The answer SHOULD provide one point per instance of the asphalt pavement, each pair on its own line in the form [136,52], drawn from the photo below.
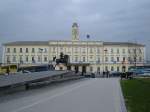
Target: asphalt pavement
[84,95]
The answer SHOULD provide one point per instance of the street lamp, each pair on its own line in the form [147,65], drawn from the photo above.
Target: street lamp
[88,37]
[105,51]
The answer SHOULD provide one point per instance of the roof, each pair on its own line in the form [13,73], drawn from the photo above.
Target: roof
[27,43]
[75,24]
[32,43]
[123,43]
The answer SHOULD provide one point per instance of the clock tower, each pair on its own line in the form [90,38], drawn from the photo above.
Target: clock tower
[75,32]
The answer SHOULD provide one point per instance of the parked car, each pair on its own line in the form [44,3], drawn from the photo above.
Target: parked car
[90,75]
[145,73]
[115,74]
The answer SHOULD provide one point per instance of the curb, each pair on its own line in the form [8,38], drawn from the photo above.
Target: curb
[123,106]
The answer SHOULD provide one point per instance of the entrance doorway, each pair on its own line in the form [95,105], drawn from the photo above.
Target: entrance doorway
[83,70]
[123,69]
[68,67]
[76,69]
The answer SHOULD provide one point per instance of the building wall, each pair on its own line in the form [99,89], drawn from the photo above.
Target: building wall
[98,55]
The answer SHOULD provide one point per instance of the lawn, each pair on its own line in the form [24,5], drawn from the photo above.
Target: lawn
[137,94]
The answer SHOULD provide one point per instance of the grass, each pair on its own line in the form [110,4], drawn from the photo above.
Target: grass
[137,94]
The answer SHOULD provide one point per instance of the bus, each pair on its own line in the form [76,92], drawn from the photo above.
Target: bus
[140,70]
[8,69]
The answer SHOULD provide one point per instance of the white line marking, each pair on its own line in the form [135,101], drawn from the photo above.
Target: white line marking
[54,96]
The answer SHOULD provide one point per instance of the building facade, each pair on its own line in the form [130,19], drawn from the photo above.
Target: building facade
[98,56]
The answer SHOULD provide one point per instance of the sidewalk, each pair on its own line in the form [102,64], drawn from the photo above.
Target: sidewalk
[89,95]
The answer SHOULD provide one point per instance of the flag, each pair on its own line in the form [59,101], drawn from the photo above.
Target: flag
[87,36]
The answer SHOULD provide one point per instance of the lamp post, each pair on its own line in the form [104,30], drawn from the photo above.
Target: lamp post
[87,36]
[105,51]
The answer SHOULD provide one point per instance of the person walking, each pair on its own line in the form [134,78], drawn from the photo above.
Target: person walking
[107,74]
[103,73]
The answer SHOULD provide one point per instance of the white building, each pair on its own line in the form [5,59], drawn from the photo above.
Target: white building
[94,56]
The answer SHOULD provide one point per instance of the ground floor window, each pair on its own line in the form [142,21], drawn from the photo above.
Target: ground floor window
[106,68]
[112,68]
[91,69]
[98,69]
[45,59]
[118,69]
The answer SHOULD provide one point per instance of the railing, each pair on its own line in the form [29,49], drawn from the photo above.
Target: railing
[27,78]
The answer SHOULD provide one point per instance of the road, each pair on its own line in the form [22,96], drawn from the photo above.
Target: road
[84,95]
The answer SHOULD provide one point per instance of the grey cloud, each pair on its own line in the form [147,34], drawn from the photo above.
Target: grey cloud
[120,20]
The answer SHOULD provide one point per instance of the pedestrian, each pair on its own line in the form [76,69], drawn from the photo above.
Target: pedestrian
[99,73]
[107,74]
[103,74]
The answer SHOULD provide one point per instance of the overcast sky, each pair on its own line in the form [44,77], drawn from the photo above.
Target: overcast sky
[105,20]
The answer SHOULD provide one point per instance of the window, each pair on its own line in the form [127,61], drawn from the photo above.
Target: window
[91,69]
[117,59]
[27,59]
[8,50]
[27,50]
[14,58]
[124,59]
[118,68]
[33,50]
[83,59]
[98,59]
[39,58]
[68,49]
[112,59]
[112,68]
[33,60]
[106,68]
[83,50]
[20,50]
[14,50]
[98,50]
[112,51]
[106,59]
[129,51]
[45,59]
[140,59]
[8,59]
[140,51]
[123,51]
[98,69]
[76,59]
[129,59]
[61,49]
[53,49]
[91,50]
[21,59]
[117,51]
[91,57]
[76,50]
[45,50]
[134,51]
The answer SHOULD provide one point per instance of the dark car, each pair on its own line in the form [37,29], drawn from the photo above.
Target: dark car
[115,74]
